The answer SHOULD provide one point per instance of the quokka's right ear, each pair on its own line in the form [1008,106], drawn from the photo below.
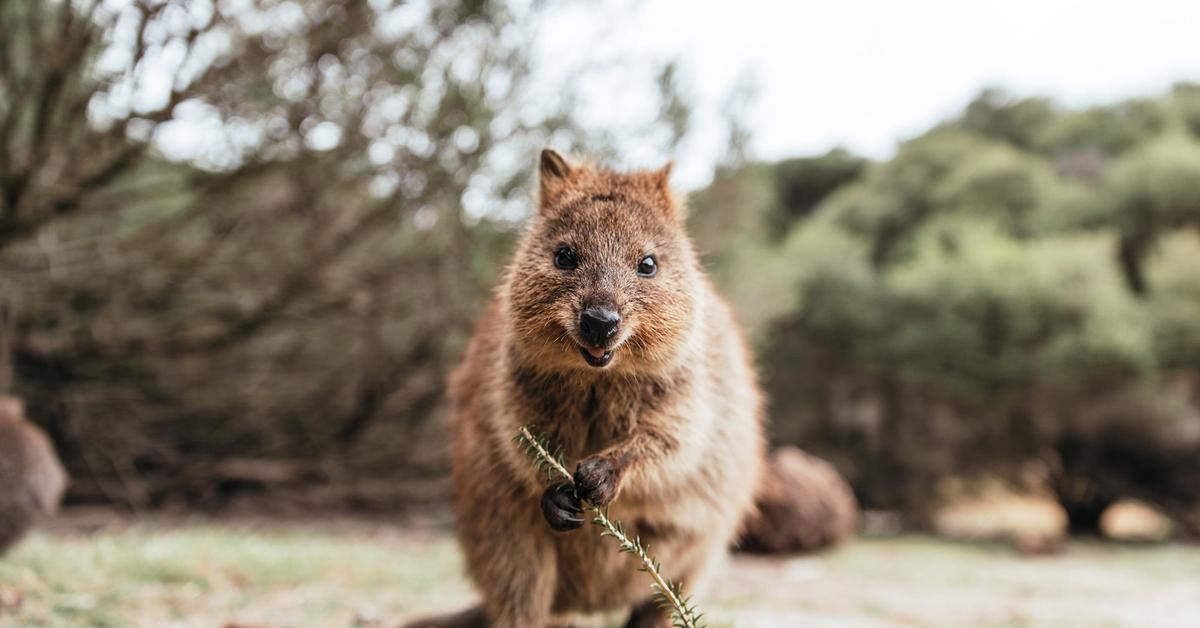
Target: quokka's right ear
[554,174]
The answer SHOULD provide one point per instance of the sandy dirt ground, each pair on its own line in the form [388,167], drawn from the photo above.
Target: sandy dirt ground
[351,572]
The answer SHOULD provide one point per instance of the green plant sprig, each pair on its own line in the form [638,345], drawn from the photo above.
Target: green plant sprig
[669,595]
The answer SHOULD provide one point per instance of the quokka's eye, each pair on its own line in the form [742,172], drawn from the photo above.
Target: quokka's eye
[564,258]
[648,267]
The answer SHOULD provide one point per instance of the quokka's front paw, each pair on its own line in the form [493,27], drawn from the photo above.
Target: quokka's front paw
[596,480]
[561,507]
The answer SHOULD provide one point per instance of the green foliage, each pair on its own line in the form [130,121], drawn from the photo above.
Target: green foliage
[1175,303]
[1111,130]
[1186,99]
[802,183]
[547,458]
[1017,121]
[987,297]
[993,313]
[1157,186]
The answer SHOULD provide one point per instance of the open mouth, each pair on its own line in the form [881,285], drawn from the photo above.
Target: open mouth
[596,356]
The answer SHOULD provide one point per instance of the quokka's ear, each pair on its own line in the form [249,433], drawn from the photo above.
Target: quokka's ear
[554,173]
[662,177]
[661,181]
[555,165]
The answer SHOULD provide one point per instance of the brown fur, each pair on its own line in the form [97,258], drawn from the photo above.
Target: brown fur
[803,505]
[669,430]
[31,478]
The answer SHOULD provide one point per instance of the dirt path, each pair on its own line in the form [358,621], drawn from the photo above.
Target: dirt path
[353,573]
[913,581]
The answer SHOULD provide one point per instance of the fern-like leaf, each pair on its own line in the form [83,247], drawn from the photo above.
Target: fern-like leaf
[669,595]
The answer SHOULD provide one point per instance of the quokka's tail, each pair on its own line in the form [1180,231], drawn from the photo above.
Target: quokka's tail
[471,618]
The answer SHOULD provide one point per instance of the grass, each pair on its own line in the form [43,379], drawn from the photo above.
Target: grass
[210,574]
[205,573]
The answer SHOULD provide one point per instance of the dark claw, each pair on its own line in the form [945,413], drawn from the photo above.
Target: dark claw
[561,507]
[596,481]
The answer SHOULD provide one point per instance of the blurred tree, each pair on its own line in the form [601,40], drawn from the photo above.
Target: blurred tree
[1017,121]
[243,241]
[984,303]
[1153,190]
[804,182]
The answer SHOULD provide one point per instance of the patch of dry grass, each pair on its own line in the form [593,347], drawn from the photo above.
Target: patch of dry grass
[206,573]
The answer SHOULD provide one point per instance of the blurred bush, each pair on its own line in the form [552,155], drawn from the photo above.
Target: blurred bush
[1014,293]
[273,307]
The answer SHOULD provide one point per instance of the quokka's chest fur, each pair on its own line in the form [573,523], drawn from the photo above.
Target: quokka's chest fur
[584,417]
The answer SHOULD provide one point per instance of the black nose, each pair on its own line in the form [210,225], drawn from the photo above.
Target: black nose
[598,324]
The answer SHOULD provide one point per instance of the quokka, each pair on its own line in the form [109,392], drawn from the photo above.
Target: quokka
[607,339]
[31,478]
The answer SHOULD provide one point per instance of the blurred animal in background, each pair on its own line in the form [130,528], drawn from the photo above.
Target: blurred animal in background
[31,478]
[804,505]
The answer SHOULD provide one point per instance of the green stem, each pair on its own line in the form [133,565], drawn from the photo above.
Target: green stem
[669,595]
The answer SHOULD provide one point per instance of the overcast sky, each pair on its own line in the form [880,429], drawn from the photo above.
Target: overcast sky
[866,74]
